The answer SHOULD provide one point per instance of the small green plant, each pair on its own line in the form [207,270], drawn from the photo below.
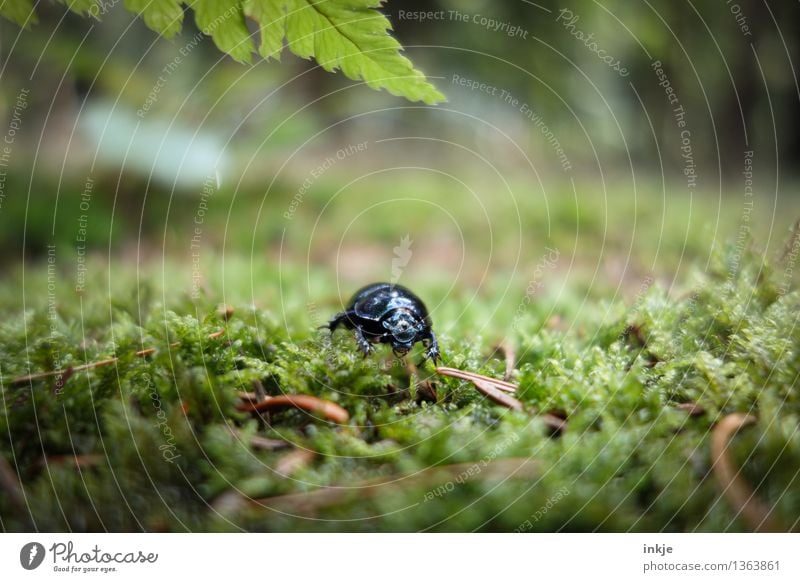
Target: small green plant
[347,35]
[618,416]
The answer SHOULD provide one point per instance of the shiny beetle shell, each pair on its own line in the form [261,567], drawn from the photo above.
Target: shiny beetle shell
[388,313]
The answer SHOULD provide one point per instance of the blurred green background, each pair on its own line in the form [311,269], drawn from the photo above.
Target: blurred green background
[132,126]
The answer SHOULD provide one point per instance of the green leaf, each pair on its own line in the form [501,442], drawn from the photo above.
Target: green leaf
[223,20]
[163,16]
[349,35]
[19,11]
[301,27]
[352,36]
[80,6]
[271,17]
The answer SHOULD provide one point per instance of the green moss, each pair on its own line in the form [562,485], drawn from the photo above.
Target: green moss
[171,452]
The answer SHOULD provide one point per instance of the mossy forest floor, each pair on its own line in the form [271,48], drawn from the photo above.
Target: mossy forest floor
[628,384]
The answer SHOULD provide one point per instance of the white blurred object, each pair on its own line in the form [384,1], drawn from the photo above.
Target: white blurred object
[173,154]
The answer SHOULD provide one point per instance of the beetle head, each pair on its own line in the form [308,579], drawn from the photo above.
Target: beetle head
[404,328]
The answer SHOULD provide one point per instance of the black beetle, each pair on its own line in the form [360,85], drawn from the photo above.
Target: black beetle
[389,314]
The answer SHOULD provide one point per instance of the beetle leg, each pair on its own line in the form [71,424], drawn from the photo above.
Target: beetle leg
[363,345]
[433,347]
[336,321]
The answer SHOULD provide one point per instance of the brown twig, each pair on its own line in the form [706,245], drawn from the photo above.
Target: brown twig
[61,380]
[326,408]
[495,390]
[510,356]
[489,389]
[426,390]
[110,361]
[248,396]
[464,375]
[259,390]
[754,512]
